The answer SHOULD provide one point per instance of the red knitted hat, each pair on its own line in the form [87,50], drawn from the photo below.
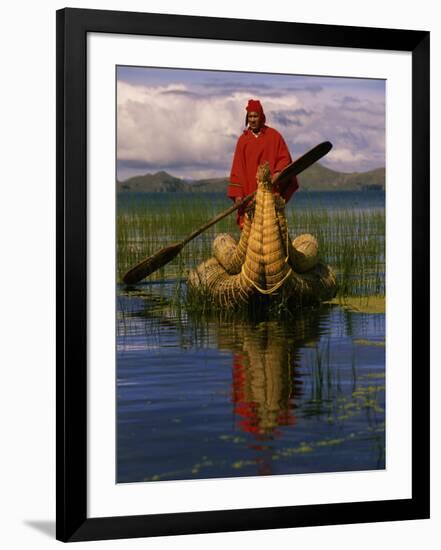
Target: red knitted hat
[255,106]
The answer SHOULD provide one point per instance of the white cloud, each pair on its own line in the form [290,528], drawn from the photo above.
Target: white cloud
[188,131]
[345,156]
[161,127]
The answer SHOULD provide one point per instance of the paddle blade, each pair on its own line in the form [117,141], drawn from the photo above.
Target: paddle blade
[152,263]
[302,163]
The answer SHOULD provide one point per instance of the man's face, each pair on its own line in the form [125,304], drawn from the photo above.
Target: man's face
[254,121]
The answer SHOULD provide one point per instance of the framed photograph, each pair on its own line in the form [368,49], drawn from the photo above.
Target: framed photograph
[242,275]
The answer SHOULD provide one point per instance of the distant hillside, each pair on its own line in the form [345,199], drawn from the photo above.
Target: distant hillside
[319,178]
[152,183]
[316,178]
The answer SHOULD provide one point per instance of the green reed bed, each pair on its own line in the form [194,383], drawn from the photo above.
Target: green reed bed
[351,240]
[143,231]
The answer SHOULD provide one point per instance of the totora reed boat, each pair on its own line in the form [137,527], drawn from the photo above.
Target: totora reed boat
[265,262]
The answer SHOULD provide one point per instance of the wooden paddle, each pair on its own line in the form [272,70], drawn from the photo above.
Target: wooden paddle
[166,254]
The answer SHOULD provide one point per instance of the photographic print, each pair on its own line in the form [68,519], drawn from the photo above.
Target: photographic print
[250,343]
[222,269]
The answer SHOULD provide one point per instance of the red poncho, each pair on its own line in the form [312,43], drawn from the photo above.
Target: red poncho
[251,151]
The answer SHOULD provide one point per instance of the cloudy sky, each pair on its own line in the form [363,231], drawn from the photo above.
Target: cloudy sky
[187,122]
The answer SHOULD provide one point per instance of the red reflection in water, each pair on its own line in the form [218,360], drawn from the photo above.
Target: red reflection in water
[262,394]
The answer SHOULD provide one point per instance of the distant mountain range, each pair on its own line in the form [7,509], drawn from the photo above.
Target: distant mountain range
[315,178]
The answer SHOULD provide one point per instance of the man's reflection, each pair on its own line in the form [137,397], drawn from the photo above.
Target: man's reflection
[265,373]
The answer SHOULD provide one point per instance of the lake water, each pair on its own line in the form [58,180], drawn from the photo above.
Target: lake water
[218,396]
[132,202]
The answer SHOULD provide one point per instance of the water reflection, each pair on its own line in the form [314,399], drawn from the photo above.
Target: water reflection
[221,396]
[266,378]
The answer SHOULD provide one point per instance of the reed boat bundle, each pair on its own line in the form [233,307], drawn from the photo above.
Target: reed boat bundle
[265,261]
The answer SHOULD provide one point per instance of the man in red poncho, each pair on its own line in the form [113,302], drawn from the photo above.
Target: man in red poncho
[257,144]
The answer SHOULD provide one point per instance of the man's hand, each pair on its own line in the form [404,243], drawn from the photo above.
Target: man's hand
[275,184]
[237,200]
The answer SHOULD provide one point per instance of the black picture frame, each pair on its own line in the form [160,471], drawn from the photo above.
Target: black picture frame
[72,522]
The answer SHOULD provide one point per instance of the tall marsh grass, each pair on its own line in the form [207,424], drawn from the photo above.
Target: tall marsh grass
[352,241]
[141,230]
